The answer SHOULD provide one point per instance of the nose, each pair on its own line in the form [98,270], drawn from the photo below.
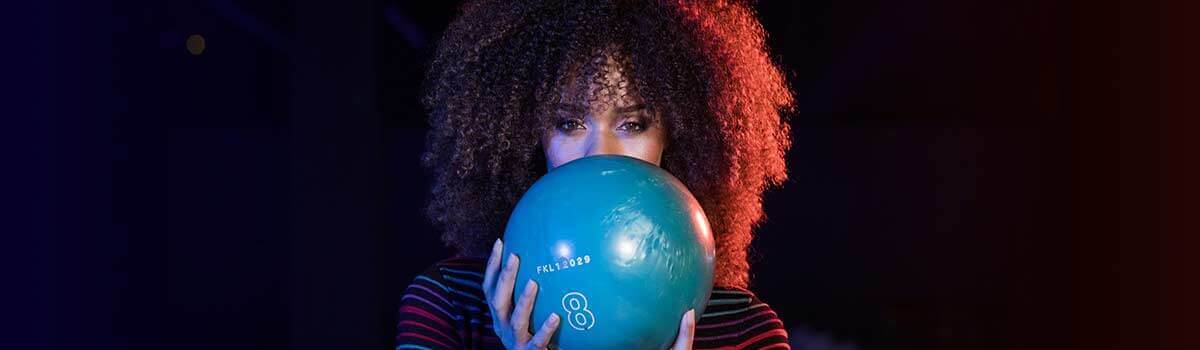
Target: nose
[604,143]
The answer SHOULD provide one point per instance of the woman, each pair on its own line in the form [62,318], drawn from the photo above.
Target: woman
[517,88]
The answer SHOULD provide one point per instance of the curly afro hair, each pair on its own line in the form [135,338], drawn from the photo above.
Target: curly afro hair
[502,66]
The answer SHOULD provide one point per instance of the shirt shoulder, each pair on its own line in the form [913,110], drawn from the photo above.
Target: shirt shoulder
[459,280]
[736,317]
[443,307]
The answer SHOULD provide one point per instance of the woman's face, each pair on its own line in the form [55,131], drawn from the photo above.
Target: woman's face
[607,123]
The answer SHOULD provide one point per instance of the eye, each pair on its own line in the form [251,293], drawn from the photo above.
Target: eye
[633,126]
[569,125]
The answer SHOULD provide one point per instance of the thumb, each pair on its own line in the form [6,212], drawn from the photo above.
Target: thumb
[687,330]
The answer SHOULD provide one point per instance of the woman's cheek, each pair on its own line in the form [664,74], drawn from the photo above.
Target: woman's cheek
[648,148]
[650,153]
[561,150]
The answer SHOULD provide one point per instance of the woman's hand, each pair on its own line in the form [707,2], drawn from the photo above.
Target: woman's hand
[512,325]
[687,330]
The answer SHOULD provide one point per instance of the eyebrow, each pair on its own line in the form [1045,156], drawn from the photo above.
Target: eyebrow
[578,108]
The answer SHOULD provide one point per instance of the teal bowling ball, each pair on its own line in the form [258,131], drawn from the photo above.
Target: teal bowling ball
[620,250]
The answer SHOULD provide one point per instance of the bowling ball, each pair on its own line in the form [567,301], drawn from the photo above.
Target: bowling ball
[620,250]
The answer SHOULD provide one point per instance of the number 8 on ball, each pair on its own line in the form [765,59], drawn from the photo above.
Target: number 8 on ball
[578,315]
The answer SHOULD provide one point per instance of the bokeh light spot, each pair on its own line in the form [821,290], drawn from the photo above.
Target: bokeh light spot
[195,44]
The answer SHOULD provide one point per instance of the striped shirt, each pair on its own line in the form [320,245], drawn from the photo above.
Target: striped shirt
[444,308]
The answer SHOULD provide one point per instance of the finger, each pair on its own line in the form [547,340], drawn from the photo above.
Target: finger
[687,330]
[541,340]
[520,316]
[493,265]
[502,297]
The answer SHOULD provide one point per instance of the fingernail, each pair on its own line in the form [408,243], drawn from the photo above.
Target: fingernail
[553,319]
[530,286]
[496,246]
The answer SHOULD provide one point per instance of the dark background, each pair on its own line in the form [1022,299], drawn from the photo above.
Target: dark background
[965,175]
